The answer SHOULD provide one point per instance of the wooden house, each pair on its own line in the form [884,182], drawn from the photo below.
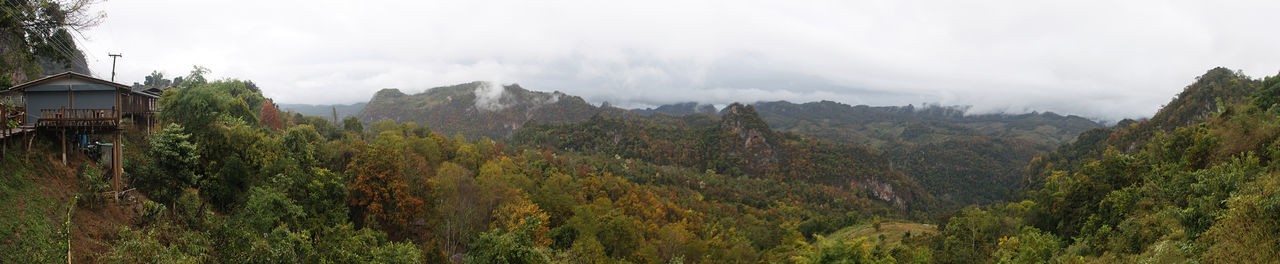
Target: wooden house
[81,105]
[73,100]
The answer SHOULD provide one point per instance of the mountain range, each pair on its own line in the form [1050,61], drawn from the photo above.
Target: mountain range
[956,158]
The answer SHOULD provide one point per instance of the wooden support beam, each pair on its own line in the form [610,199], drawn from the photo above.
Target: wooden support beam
[64,146]
[117,156]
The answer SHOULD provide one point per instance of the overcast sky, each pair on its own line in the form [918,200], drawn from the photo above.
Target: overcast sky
[1102,59]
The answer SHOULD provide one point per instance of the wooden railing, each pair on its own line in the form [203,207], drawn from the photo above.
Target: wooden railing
[138,105]
[64,117]
[7,114]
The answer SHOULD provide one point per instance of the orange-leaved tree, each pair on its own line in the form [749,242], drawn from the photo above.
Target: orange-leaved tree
[377,190]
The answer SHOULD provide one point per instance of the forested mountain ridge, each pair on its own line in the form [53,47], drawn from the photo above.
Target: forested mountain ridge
[1212,92]
[738,143]
[1200,182]
[679,109]
[477,109]
[342,111]
[880,125]
[959,159]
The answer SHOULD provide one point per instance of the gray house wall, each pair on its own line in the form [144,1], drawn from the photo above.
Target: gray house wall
[54,96]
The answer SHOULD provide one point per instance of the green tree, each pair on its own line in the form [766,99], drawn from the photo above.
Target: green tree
[513,246]
[352,124]
[200,108]
[174,165]
[196,77]
[460,206]
[266,209]
[856,250]
[1030,246]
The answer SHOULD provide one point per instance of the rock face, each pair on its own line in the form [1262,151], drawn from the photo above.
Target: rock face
[880,190]
[753,138]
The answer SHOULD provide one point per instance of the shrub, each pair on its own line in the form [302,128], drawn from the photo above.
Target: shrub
[96,186]
[151,212]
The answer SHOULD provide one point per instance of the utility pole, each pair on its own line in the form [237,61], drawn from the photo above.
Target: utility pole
[113,65]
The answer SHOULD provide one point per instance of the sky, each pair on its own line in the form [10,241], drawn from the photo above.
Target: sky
[1101,59]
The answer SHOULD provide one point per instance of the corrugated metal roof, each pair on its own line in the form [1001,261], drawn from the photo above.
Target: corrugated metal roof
[67,75]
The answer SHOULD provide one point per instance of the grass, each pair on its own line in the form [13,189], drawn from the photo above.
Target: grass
[891,231]
[32,226]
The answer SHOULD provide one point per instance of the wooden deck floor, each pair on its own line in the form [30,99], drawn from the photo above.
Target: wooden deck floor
[15,131]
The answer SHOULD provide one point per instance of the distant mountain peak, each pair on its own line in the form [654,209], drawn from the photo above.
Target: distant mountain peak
[679,109]
[477,109]
[388,93]
[495,97]
[1200,99]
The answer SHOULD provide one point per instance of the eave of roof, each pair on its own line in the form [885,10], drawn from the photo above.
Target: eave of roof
[67,75]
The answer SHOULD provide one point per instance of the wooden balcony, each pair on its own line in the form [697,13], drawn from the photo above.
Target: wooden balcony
[15,114]
[79,118]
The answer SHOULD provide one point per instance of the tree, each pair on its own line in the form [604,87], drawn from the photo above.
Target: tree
[198,109]
[351,124]
[156,80]
[34,30]
[196,77]
[175,165]
[460,206]
[1030,246]
[377,190]
[513,246]
[972,235]
[856,250]
[521,214]
[266,209]
[300,142]
[271,116]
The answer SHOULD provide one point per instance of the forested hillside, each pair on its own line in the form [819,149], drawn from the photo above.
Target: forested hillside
[477,109]
[1196,183]
[958,159]
[888,125]
[738,143]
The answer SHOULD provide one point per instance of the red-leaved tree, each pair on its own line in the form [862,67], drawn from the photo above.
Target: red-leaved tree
[270,116]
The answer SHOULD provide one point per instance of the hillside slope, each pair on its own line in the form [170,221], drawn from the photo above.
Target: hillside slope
[49,211]
[1197,183]
[961,159]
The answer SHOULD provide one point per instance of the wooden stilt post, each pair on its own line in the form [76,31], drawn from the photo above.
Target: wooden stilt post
[117,161]
[64,146]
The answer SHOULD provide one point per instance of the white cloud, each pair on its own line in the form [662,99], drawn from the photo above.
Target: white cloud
[1097,58]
